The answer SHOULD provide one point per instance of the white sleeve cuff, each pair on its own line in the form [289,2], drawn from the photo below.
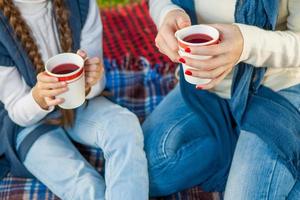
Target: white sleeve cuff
[97,88]
[249,34]
[165,11]
[33,113]
[159,9]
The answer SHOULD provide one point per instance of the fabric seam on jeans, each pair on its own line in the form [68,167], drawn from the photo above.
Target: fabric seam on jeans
[169,132]
[155,166]
[271,179]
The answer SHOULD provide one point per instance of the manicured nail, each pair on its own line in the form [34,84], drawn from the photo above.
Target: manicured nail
[199,88]
[188,72]
[188,50]
[181,60]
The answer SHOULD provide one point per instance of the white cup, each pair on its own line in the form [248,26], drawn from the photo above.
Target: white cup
[196,29]
[75,96]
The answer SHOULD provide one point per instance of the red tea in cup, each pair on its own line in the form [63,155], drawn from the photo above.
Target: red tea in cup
[198,38]
[197,35]
[64,68]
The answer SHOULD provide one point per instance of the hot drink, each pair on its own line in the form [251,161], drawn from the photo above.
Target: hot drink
[64,68]
[198,38]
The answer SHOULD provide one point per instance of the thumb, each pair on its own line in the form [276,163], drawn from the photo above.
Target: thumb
[183,21]
[82,53]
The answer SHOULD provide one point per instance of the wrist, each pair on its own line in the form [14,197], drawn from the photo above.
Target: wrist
[167,12]
[39,99]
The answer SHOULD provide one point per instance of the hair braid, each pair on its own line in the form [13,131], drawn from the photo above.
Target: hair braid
[23,34]
[62,19]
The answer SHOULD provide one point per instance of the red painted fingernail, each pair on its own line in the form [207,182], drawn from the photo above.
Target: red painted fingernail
[188,72]
[181,60]
[188,50]
[199,88]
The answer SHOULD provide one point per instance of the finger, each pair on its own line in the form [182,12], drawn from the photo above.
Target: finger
[165,49]
[94,60]
[82,53]
[52,85]
[167,39]
[92,75]
[90,80]
[93,68]
[44,77]
[53,93]
[212,74]
[211,50]
[214,82]
[53,102]
[220,27]
[208,64]
[183,21]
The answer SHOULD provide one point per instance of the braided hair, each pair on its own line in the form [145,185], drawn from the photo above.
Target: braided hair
[23,34]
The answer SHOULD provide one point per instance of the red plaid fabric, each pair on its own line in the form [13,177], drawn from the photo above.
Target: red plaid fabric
[129,31]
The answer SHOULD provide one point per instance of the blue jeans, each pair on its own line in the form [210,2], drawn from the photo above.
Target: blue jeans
[178,156]
[55,161]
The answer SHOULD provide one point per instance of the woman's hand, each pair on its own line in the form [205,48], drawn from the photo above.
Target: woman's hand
[225,56]
[94,70]
[46,89]
[165,39]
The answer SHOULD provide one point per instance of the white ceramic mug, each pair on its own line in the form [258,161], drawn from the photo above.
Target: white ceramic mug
[196,29]
[75,96]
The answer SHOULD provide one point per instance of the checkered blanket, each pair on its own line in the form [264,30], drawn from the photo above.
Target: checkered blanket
[138,77]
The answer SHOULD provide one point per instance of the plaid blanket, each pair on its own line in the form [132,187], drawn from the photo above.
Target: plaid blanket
[138,77]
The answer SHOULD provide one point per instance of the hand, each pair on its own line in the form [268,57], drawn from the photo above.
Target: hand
[225,56]
[46,90]
[94,70]
[165,39]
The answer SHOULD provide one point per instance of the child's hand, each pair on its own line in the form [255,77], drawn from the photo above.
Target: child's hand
[94,69]
[46,89]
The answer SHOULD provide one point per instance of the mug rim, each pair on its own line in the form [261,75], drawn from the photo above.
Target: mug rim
[71,74]
[215,39]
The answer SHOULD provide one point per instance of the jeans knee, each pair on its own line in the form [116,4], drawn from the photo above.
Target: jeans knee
[163,145]
[124,132]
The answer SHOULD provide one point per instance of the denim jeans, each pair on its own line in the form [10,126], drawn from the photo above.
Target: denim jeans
[177,146]
[55,161]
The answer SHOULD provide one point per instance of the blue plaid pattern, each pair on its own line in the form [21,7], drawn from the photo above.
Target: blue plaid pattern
[12,188]
[140,90]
